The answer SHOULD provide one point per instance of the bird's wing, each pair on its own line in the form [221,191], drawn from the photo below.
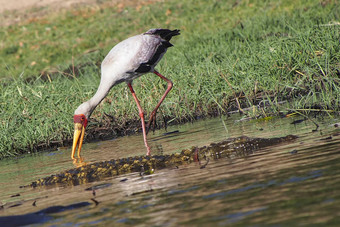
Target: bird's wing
[151,51]
[156,42]
[140,54]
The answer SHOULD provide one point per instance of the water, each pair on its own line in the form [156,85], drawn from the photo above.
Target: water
[294,183]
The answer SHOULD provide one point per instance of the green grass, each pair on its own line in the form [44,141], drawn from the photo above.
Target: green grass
[258,51]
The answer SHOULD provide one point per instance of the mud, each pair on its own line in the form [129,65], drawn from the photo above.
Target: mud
[231,148]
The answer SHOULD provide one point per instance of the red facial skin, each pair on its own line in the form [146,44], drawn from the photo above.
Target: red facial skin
[80,118]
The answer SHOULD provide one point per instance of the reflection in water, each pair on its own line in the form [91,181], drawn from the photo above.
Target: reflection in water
[292,183]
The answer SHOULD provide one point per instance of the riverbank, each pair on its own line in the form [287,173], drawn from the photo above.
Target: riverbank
[229,56]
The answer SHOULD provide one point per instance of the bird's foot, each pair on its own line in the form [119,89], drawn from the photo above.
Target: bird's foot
[79,162]
[148,153]
[152,120]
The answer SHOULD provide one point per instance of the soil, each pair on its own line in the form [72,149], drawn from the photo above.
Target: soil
[12,12]
[22,5]
[19,10]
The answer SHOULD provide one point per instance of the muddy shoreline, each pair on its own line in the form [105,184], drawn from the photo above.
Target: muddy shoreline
[108,127]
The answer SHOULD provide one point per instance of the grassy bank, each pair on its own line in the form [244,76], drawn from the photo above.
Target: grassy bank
[255,51]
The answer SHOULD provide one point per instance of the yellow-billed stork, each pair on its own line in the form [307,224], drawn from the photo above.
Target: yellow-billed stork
[125,62]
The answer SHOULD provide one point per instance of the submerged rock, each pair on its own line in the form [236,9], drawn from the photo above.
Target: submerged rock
[233,147]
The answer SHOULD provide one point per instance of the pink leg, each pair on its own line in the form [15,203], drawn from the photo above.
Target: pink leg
[153,113]
[141,114]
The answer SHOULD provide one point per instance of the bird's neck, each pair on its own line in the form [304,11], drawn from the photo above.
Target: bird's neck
[101,93]
[104,87]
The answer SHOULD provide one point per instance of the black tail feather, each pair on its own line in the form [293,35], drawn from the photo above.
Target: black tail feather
[166,34]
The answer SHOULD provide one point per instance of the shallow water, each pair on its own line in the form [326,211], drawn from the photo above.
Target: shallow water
[292,183]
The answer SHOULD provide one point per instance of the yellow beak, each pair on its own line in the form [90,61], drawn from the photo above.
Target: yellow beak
[78,137]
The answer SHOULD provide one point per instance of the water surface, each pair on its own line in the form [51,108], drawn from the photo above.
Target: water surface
[291,183]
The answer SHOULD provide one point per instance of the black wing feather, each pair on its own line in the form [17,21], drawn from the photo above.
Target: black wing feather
[165,35]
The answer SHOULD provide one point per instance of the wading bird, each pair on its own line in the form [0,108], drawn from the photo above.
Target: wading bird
[125,62]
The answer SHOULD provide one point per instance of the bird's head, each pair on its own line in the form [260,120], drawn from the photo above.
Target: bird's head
[80,123]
